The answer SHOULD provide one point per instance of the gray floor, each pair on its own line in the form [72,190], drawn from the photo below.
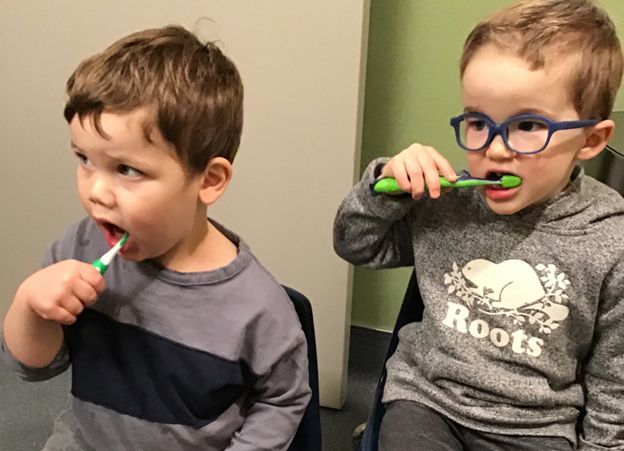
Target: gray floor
[27,410]
[366,355]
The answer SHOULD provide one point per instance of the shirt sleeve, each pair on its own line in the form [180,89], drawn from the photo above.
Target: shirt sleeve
[275,350]
[373,230]
[280,399]
[32,374]
[281,393]
[603,424]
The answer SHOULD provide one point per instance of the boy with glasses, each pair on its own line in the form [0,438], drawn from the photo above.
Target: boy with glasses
[522,341]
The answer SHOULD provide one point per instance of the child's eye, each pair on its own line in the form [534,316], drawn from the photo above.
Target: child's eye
[530,126]
[476,124]
[84,161]
[128,171]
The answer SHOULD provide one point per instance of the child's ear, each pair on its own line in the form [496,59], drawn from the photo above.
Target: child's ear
[214,180]
[596,140]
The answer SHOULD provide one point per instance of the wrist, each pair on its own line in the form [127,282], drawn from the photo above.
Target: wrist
[22,302]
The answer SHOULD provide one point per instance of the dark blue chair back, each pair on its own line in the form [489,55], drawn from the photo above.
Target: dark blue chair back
[308,437]
[411,310]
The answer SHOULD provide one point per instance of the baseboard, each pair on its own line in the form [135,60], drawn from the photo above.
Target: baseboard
[371,329]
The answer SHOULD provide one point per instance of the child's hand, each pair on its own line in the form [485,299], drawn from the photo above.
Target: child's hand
[61,291]
[419,166]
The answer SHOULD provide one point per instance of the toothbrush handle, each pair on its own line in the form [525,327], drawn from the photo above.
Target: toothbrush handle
[444,183]
[100,266]
[386,185]
[102,263]
[465,183]
[389,185]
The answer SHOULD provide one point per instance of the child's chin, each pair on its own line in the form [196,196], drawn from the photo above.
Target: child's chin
[504,208]
[131,255]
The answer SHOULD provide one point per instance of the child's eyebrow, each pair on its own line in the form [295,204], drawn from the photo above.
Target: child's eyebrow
[532,111]
[74,146]
[518,112]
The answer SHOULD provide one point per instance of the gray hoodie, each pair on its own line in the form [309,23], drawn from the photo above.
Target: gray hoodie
[523,330]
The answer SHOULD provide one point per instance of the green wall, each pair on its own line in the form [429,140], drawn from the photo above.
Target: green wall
[412,89]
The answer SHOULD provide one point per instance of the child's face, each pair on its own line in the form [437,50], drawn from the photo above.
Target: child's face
[126,183]
[501,85]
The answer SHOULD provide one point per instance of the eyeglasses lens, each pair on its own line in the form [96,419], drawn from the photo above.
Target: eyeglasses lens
[523,135]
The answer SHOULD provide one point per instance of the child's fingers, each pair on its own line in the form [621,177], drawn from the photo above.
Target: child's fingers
[92,277]
[73,305]
[444,167]
[416,178]
[418,168]
[60,292]
[64,317]
[399,173]
[57,314]
[85,292]
[430,171]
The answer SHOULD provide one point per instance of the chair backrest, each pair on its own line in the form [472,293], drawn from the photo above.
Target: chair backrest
[308,437]
[411,310]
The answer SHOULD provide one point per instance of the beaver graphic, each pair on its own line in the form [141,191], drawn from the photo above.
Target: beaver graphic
[511,285]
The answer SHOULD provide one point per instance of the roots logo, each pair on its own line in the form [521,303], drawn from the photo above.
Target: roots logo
[532,298]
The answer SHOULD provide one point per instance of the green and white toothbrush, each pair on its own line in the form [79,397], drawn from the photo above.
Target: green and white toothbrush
[101,264]
[389,185]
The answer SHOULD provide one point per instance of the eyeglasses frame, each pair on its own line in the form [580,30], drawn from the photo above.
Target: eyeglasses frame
[501,129]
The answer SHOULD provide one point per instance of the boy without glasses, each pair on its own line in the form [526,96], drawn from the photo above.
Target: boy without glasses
[523,330]
[187,342]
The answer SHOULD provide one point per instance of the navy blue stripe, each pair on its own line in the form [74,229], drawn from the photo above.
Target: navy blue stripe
[135,372]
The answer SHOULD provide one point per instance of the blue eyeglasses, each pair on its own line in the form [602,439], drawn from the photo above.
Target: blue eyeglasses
[525,134]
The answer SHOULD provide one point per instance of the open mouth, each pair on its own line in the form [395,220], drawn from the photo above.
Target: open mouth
[112,232]
[497,176]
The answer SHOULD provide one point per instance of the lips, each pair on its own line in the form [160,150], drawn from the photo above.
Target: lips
[499,193]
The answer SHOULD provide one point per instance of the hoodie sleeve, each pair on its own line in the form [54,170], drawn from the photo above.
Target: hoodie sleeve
[603,424]
[374,230]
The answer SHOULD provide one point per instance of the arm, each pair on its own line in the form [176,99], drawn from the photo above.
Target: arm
[603,424]
[375,230]
[280,399]
[55,295]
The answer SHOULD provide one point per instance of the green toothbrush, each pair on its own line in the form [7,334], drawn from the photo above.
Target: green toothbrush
[101,264]
[389,185]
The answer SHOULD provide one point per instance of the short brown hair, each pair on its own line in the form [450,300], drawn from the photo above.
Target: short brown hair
[543,31]
[191,90]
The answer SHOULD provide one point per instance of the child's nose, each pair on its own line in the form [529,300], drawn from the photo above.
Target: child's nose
[100,191]
[497,150]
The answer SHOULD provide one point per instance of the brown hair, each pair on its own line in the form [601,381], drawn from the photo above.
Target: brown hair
[546,31]
[193,92]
